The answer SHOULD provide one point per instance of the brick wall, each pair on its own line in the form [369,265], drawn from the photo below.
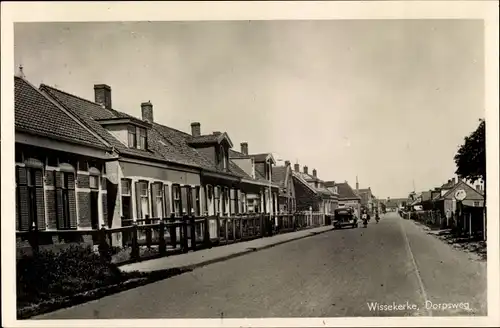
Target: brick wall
[83,181]
[305,198]
[84,220]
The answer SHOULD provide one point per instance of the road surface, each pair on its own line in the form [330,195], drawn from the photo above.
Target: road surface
[393,266]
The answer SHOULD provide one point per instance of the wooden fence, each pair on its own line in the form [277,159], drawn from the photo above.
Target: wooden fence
[154,237]
[471,221]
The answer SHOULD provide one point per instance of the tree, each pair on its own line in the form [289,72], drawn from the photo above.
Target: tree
[471,157]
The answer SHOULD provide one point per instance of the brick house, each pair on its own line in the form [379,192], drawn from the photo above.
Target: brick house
[347,197]
[283,175]
[60,166]
[311,192]
[161,170]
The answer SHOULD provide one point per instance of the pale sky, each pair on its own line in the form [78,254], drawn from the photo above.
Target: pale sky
[389,101]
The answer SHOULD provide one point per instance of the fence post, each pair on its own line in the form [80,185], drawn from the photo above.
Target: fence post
[217,226]
[135,245]
[206,234]
[241,227]
[147,220]
[173,231]
[261,218]
[161,242]
[184,238]
[192,223]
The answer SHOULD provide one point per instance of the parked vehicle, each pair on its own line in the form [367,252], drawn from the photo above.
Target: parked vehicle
[344,217]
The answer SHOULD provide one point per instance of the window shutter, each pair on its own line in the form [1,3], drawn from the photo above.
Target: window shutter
[138,199]
[58,179]
[195,203]
[40,204]
[72,208]
[24,205]
[166,200]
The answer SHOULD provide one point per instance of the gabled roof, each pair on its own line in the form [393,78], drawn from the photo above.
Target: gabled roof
[279,175]
[460,183]
[259,158]
[37,114]
[237,155]
[90,113]
[346,192]
[215,138]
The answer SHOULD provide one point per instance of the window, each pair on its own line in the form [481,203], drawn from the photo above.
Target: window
[142,199]
[94,182]
[243,203]
[131,137]
[65,200]
[197,201]
[217,200]
[209,204]
[29,183]
[126,199]
[142,139]
[224,201]
[176,191]
[232,204]
[477,204]
[157,191]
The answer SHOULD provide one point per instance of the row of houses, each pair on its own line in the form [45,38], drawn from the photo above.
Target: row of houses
[444,197]
[82,164]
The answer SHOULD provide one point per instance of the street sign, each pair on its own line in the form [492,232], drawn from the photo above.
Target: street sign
[460,194]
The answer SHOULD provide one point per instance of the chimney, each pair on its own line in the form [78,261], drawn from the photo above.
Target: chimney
[102,93]
[287,163]
[454,181]
[357,184]
[147,111]
[195,129]
[314,173]
[216,133]
[244,148]
[305,169]
[296,167]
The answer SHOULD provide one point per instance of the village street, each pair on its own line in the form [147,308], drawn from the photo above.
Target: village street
[333,274]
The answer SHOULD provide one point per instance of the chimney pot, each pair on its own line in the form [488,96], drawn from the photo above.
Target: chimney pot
[287,163]
[195,129]
[102,94]
[244,148]
[454,181]
[216,133]
[315,173]
[296,167]
[147,111]
[305,169]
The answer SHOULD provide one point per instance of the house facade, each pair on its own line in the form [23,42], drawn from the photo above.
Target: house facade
[367,199]
[446,202]
[311,192]
[160,171]
[283,176]
[60,166]
[347,197]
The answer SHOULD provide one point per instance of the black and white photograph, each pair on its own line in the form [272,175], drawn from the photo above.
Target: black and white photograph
[237,169]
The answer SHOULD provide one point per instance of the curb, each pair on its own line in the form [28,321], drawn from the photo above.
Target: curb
[245,252]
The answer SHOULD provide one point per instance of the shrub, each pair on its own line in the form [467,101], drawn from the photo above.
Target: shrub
[47,275]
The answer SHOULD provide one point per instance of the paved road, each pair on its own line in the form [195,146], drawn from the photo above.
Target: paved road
[334,274]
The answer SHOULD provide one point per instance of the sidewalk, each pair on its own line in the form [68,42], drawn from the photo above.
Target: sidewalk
[217,254]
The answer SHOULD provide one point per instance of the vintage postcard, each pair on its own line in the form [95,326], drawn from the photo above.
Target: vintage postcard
[246,164]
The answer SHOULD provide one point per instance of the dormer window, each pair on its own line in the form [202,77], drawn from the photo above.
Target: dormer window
[223,157]
[137,137]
